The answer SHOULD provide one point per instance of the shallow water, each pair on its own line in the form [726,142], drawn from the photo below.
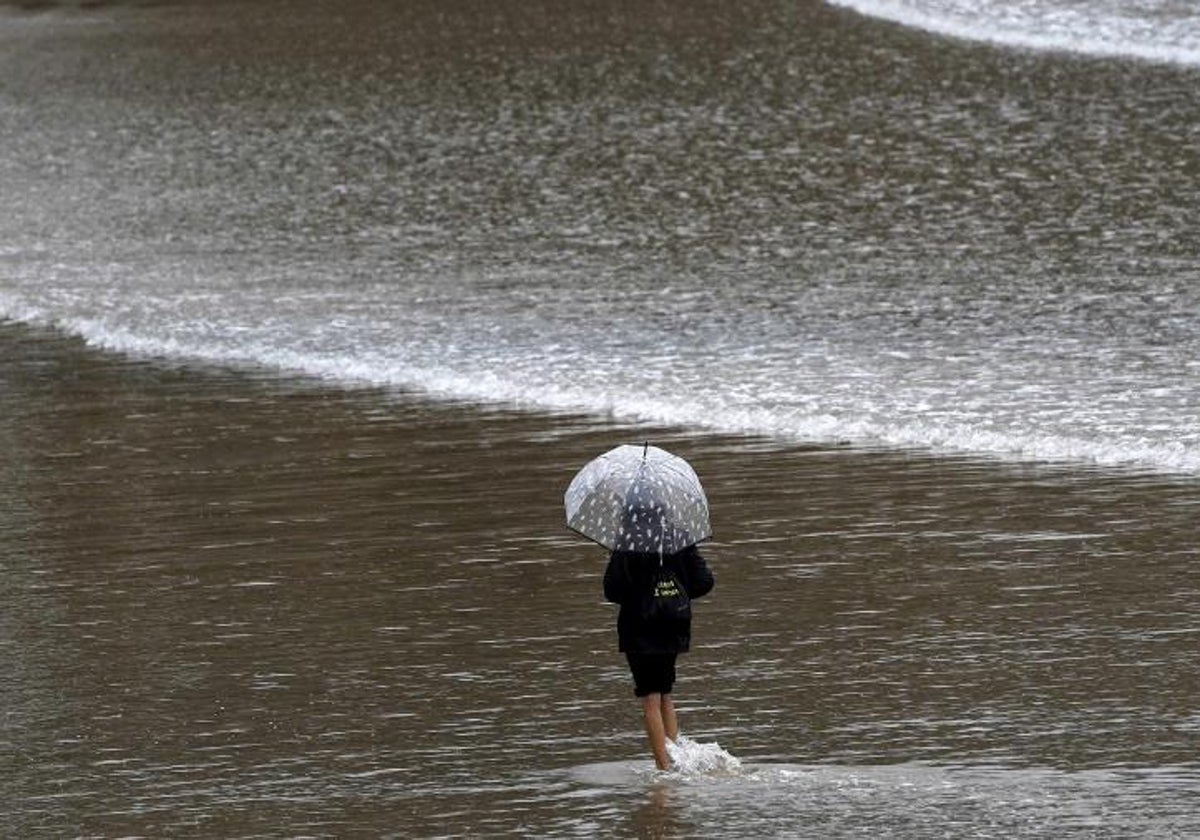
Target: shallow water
[901,800]
[236,605]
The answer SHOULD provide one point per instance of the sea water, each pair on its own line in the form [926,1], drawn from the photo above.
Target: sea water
[901,800]
[933,284]
[1165,31]
[698,758]
[783,220]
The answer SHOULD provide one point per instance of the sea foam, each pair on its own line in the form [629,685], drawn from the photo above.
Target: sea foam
[693,758]
[731,404]
[1048,26]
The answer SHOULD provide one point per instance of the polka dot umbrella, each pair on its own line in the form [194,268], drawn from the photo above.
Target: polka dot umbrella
[638,498]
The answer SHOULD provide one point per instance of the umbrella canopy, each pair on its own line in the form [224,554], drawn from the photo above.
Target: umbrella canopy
[638,498]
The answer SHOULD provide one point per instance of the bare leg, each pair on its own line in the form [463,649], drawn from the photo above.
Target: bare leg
[652,714]
[670,721]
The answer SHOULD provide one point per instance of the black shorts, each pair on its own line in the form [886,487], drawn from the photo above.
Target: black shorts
[653,673]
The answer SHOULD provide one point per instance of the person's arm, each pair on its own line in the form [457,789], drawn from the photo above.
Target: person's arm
[616,583]
[699,577]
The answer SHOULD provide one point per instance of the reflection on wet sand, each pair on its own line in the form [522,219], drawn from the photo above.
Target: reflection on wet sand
[659,814]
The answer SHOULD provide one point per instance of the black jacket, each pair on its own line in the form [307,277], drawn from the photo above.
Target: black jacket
[630,577]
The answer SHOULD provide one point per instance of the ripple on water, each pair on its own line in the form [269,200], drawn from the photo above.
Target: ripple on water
[900,800]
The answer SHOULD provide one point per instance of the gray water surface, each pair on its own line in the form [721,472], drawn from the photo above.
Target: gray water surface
[236,606]
[309,311]
[778,218]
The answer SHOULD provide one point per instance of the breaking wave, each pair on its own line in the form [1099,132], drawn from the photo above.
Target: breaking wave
[1149,31]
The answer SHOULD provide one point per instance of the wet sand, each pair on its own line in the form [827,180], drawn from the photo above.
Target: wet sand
[237,603]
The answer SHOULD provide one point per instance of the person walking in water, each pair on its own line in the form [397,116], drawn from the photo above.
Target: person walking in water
[647,507]
[654,626]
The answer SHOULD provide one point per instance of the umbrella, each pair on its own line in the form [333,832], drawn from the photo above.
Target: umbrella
[638,498]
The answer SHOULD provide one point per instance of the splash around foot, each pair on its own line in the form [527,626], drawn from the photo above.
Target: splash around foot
[693,758]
